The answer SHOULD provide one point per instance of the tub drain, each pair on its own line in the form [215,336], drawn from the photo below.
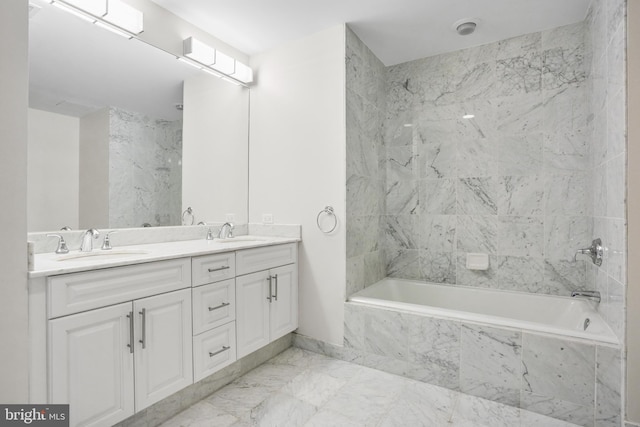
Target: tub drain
[587,322]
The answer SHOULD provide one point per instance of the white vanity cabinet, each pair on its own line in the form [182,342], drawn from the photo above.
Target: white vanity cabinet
[110,362]
[266,295]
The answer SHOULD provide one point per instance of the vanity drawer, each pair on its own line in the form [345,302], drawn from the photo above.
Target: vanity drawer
[213,350]
[264,258]
[76,292]
[213,305]
[213,268]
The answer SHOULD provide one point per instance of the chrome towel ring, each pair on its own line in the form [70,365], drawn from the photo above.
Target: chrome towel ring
[187,216]
[328,210]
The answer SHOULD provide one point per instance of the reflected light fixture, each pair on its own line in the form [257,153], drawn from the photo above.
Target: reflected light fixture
[468,116]
[112,15]
[124,16]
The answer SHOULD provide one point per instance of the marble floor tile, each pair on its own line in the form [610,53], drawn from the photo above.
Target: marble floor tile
[305,389]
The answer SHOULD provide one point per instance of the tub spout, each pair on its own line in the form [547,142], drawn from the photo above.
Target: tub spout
[590,295]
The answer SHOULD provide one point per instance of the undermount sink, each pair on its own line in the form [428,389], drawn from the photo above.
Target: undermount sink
[101,254]
[239,239]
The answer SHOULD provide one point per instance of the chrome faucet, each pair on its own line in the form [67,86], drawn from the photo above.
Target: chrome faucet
[595,251]
[226,231]
[87,242]
[590,295]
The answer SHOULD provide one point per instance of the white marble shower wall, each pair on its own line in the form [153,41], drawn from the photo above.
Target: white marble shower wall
[512,182]
[145,170]
[365,102]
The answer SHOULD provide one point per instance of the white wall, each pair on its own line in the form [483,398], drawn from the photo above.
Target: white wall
[13,193]
[297,165]
[53,153]
[94,170]
[215,149]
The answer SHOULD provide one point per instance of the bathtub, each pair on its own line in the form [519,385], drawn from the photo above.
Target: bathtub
[557,315]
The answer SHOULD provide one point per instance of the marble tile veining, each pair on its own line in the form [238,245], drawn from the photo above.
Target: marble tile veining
[308,389]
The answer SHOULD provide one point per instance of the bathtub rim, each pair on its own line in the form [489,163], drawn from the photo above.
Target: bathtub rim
[610,339]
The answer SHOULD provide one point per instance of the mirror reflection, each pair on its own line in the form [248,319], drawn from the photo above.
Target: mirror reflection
[107,137]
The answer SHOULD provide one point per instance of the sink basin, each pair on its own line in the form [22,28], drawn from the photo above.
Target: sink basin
[241,239]
[101,254]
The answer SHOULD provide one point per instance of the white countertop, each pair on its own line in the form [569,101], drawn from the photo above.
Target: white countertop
[50,264]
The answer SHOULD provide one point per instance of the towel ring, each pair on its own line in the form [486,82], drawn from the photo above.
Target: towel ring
[329,211]
[188,212]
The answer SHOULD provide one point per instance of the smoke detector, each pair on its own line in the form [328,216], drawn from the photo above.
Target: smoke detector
[466,26]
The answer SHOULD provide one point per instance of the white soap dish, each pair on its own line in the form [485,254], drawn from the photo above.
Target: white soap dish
[477,261]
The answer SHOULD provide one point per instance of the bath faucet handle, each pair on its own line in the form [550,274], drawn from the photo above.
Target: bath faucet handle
[62,245]
[595,251]
[106,243]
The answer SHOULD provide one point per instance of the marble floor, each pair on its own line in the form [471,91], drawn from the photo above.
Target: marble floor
[300,388]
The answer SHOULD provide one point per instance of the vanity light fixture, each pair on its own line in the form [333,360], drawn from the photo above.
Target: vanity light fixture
[215,62]
[93,7]
[74,12]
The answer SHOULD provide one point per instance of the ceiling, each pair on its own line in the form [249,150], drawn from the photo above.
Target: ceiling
[395,30]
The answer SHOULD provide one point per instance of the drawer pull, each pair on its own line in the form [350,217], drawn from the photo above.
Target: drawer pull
[224,348]
[224,267]
[224,304]
[269,297]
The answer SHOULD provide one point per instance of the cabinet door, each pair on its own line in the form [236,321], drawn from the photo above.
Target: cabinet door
[163,351]
[284,300]
[91,365]
[252,315]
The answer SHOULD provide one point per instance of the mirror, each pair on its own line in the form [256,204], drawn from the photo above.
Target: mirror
[122,134]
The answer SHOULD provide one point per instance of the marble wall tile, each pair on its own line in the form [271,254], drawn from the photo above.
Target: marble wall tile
[520,236]
[564,235]
[354,326]
[355,274]
[615,308]
[567,194]
[557,408]
[520,195]
[476,196]
[374,267]
[385,333]
[403,263]
[516,46]
[402,163]
[400,233]
[566,152]
[616,187]
[608,387]
[437,233]
[616,244]
[362,234]
[519,74]
[476,158]
[402,197]
[438,267]
[434,350]
[490,363]
[558,369]
[480,278]
[519,114]
[437,196]
[563,67]
[525,274]
[520,154]
[477,234]
[561,277]
[616,125]
[438,160]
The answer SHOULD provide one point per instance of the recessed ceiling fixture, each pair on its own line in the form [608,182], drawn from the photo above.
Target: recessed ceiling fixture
[465,26]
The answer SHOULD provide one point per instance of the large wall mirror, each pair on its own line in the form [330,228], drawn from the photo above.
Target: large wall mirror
[122,134]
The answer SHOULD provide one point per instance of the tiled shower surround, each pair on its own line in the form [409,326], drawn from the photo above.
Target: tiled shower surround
[145,170]
[535,175]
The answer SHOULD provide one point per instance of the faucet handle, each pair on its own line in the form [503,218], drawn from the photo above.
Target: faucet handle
[106,243]
[209,234]
[62,244]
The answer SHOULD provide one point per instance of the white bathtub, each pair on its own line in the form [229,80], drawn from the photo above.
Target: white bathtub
[550,314]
